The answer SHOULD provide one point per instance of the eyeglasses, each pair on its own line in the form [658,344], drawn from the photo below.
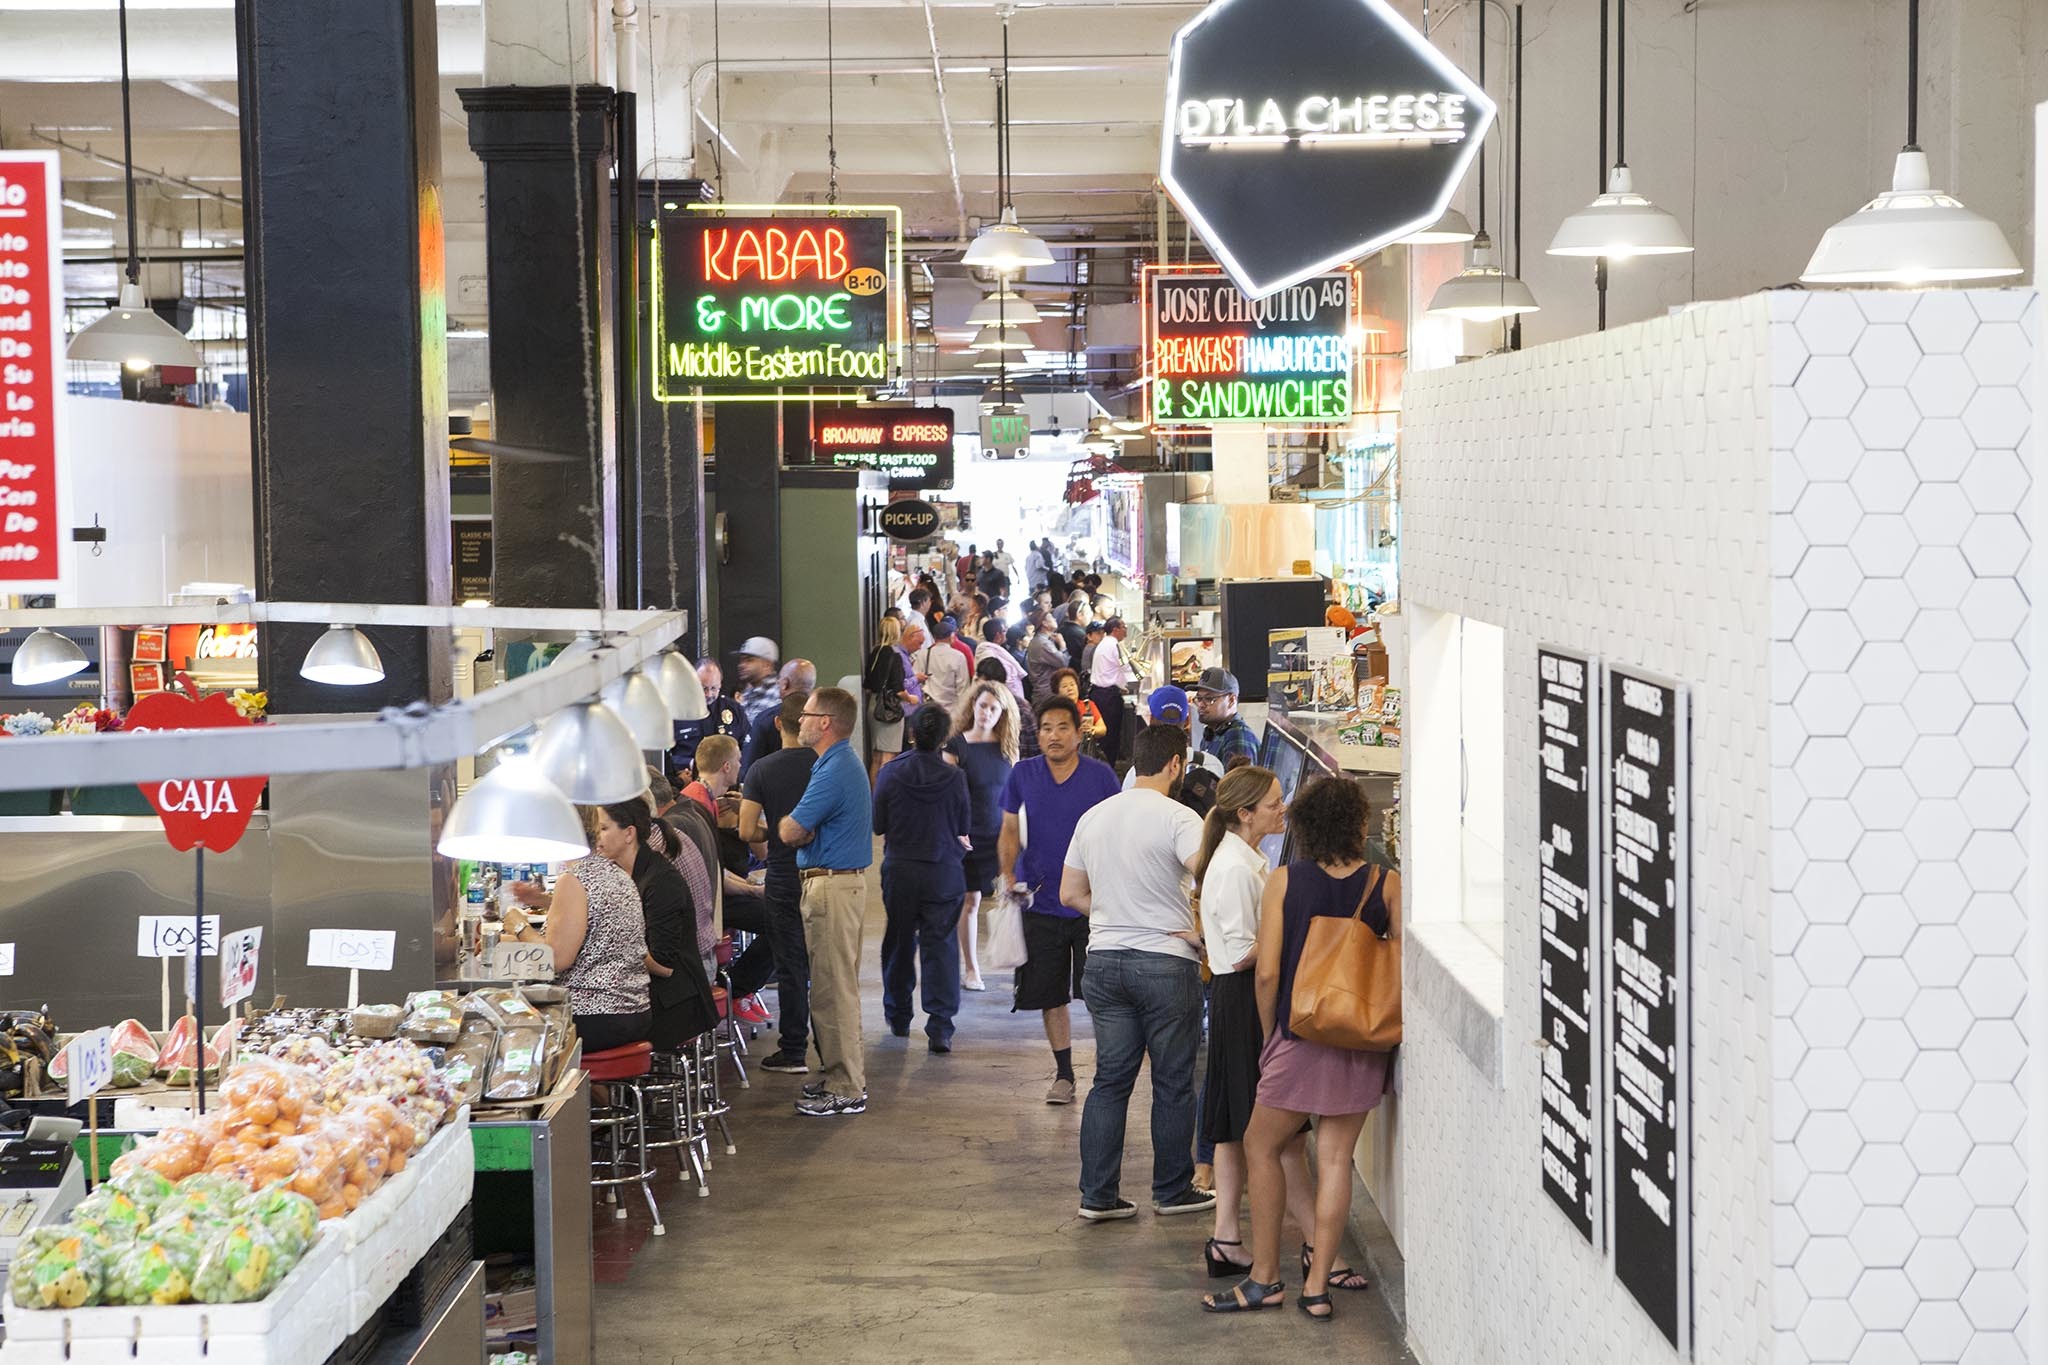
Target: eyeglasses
[814,715]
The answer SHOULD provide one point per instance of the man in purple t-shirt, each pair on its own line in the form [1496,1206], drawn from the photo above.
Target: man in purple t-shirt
[1045,798]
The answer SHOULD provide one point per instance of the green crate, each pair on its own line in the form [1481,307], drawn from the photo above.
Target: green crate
[507,1148]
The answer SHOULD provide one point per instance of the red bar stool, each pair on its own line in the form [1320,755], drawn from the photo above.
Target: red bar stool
[673,1115]
[618,1132]
[711,1100]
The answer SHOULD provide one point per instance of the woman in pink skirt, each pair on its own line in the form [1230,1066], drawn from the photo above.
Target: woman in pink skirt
[1298,1079]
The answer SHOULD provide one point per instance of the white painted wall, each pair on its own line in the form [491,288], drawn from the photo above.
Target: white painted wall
[172,488]
[1814,510]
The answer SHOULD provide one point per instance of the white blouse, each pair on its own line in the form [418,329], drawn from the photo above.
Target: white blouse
[1231,891]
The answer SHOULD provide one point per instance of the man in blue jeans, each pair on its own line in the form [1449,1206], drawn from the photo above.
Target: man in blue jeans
[1129,868]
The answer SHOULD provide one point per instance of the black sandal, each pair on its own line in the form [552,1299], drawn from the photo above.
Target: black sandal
[1341,1277]
[1308,1303]
[1247,1296]
[1221,1267]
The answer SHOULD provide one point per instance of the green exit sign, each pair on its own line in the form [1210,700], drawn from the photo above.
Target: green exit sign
[1006,433]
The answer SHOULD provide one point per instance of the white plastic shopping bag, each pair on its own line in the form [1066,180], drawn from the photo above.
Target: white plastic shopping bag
[1004,950]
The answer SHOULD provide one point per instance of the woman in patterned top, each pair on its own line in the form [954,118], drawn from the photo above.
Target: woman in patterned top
[599,938]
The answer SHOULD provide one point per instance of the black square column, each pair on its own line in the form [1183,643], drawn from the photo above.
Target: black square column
[554,510]
[348,351]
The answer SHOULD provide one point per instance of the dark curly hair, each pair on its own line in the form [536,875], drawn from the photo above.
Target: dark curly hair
[1328,819]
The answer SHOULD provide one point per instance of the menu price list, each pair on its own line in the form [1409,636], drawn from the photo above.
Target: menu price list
[30,298]
[1567,702]
[1649,1014]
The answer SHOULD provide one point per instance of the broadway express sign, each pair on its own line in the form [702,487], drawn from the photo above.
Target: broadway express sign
[753,302]
[1216,356]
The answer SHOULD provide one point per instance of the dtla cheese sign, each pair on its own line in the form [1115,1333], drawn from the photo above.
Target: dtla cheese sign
[1304,134]
[1215,356]
[761,303]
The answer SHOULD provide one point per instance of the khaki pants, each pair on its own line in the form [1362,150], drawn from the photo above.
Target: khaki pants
[833,911]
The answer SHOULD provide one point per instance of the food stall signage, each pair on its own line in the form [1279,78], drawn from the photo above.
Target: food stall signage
[364,950]
[1215,355]
[1302,134]
[912,445]
[171,936]
[909,521]
[210,811]
[754,300]
[34,491]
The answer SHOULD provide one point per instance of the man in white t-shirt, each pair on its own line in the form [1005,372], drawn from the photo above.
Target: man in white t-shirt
[1129,868]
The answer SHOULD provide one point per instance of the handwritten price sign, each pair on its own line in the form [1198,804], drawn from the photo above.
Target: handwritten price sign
[367,950]
[520,962]
[92,1065]
[238,966]
[171,936]
[6,959]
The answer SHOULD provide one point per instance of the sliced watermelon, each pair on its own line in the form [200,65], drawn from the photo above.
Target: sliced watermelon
[177,1045]
[135,1053]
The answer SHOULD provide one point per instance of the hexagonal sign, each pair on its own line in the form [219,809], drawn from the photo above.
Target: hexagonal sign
[1301,134]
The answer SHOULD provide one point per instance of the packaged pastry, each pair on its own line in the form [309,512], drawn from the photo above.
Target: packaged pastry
[518,1073]
[506,1007]
[432,1017]
[467,1063]
[376,1021]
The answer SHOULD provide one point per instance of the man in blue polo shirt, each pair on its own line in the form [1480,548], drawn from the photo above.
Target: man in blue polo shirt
[1043,800]
[830,831]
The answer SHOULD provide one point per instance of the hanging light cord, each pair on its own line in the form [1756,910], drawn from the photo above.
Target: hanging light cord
[717,106]
[1912,75]
[1621,84]
[1003,118]
[593,547]
[1482,90]
[831,114]
[668,455]
[128,152]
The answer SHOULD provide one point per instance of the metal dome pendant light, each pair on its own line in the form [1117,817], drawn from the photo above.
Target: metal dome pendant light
[681,687]
[44,657]
[129,333]
[1005,247]
[1619,223]
[1452,227]
[1483,292]
[513,815]
[587,752]
[1912,234]
[636,700]
[1003,307]
[342,657]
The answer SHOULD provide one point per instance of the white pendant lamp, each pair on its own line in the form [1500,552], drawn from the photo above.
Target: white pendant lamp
[342,657]
[513,815]
[1483,292]
[129,333]
[1000,339]
[45,656]
[1003,308]
[638,702]
[1912,234]
[1453,226]
[1001,394]
[681,687]
[1006,248]
[585,643]
[587,752]
[1619,223]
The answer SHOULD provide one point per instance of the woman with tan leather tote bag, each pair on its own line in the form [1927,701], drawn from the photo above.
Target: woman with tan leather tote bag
[1329,890]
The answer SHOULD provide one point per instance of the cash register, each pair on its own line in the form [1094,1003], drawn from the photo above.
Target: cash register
[41,1180]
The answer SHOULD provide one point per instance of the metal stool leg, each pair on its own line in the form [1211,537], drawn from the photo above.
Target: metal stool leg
[646,1172]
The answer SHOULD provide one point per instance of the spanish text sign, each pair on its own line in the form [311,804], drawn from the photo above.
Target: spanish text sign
[32,491]
[1216,356]
[753,302]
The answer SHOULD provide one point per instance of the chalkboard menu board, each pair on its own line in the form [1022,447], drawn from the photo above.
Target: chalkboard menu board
[1568,841]
[1650,999]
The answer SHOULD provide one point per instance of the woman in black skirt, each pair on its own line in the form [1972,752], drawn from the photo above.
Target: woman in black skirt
[1231,872]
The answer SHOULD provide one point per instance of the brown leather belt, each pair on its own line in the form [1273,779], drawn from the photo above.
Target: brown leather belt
[810,872]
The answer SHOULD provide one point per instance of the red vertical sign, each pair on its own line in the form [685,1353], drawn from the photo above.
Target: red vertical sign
[32,513]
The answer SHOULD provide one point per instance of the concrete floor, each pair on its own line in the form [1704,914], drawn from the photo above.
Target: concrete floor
[938,1226]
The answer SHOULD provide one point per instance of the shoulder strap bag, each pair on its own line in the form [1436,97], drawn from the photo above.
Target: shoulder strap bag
[887,706]
[1347,985]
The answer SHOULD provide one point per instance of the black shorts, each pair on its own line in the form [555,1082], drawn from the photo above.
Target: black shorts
[1057,948]
[980,866]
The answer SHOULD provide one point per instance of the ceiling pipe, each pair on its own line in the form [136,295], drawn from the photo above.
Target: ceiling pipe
[931,34]
[626,45]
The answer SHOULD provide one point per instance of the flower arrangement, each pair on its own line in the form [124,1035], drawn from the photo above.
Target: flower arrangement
[26,724]
[251,704]
[87,719]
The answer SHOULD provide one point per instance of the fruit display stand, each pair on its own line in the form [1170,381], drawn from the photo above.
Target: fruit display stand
[533,1197]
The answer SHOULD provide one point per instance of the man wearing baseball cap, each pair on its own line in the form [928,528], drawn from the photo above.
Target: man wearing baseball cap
[1225,735]
[1169,705]
[760,696]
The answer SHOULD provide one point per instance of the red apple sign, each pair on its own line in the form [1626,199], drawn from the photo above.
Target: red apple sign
[213,811]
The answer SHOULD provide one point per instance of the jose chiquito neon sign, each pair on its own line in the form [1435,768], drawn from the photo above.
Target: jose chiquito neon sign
[752,301]
[1214,355]
[1304,134]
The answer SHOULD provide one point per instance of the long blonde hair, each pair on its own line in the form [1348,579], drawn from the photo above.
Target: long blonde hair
[889,632]
[1240,790]
[1006,729]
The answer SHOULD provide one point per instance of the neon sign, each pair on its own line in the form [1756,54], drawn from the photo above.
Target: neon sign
[1214,355]
[754,301]
[912,445]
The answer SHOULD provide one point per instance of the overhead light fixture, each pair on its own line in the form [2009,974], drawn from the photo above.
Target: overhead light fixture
[1004,247]
[1482,291]
[587,751]
[45,656]
[342,657]
[681,687]
[80,206]
[1003,308]
[1912,234]
[1619,223]
[513,815]
[129,333]
[1453,226]
[585,643]
[1002,394]
[636,700]
[1000,339]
